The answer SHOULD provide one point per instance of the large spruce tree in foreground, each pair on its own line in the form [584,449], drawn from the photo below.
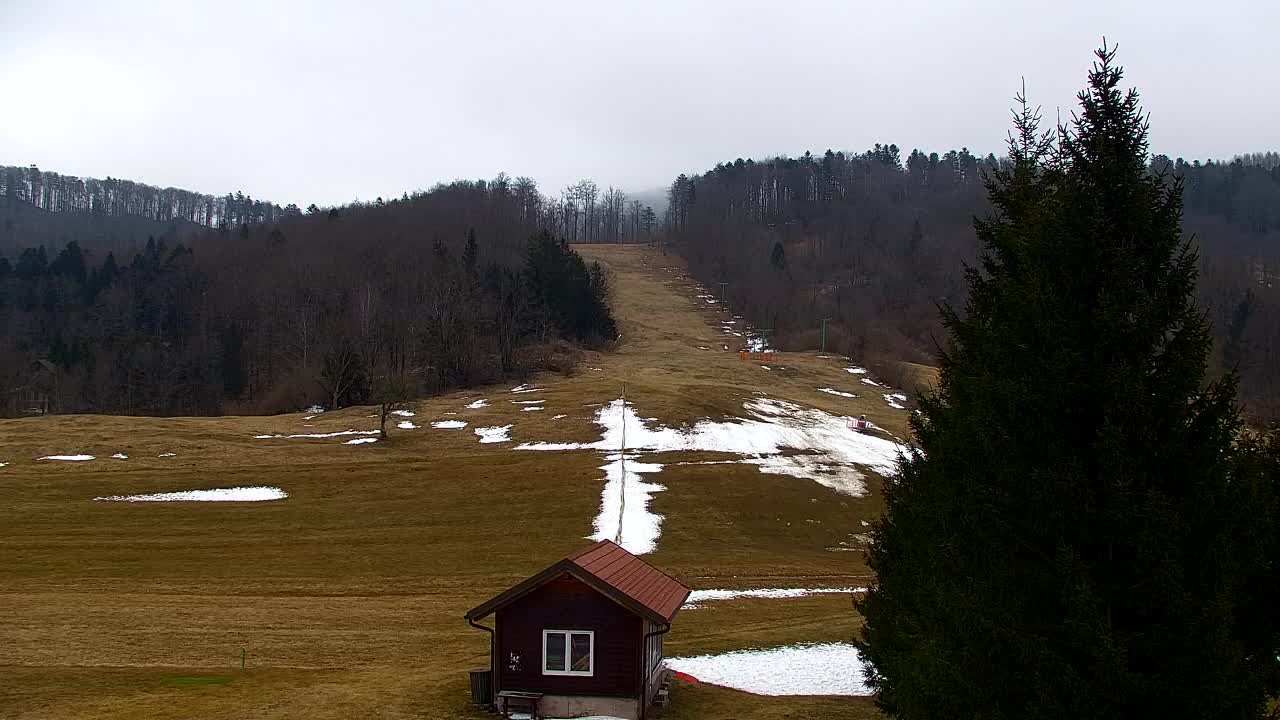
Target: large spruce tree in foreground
[1083,532]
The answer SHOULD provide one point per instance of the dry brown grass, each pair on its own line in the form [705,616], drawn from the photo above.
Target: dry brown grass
[348,596]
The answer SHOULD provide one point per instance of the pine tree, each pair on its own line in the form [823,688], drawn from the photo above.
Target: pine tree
[1080,532]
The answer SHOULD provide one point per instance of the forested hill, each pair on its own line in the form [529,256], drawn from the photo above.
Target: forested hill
[451,287]
[875,241]
[45,208]
[68,196]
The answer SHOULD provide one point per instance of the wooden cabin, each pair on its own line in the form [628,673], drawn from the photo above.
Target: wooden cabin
[37,391]
[582,637]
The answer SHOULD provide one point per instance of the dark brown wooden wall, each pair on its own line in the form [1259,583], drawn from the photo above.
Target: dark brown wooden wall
[567,603]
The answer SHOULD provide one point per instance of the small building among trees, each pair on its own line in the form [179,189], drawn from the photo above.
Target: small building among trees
[582,637]
[37,391]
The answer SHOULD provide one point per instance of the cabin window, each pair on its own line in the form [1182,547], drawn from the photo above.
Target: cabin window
[568,652]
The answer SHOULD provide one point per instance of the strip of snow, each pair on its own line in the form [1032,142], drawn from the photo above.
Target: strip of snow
[119,456]
[67,458]
[166,455]
[869,381]
[775,426]
[319,435]
[4,465]
[234,494]
[624,503]
[477,404]
[526,389]
[449,424]
[402,413]
[895,400]
[314,409]
[496,434]
[406,425]
[856,370]
[361,441]
[557,417]
[701,596]
[818,669]
[833,391]
[527,402]
[532,408]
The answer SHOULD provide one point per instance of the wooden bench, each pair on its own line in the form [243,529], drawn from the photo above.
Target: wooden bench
[524,699]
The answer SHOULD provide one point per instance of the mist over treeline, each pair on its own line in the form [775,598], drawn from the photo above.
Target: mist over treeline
[875,241]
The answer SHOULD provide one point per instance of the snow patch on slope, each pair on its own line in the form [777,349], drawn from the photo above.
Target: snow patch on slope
[818,669]
[235,494]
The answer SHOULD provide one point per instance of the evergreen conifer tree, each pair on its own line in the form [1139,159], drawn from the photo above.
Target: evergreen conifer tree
[1082,530]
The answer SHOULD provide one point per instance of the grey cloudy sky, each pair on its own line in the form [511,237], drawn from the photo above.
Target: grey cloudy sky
[314,101]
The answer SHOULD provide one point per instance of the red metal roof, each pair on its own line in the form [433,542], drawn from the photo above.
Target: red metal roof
[633,577]
[614,572]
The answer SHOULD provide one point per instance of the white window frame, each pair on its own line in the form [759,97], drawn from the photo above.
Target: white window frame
[568,652]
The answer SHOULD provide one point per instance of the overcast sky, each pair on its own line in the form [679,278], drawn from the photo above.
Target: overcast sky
[312,101]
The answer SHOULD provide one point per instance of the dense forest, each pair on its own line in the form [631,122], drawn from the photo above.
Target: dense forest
[874,242]
[251,310]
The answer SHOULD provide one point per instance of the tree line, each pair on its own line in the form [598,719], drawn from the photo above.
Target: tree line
[875,241]
[115,197]
[452,287]
[581,212]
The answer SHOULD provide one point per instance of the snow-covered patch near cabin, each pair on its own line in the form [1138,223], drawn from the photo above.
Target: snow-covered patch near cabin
[235,494]
[361,441]
[895,400]
[496,434]
[320,436]
[67,458]
[477,404]
[449,424]
[833,391]
[869,381]
[700,596]
[403,413]
[525,389]
[818,669]
[856,370]
[119,456]
[406,425]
